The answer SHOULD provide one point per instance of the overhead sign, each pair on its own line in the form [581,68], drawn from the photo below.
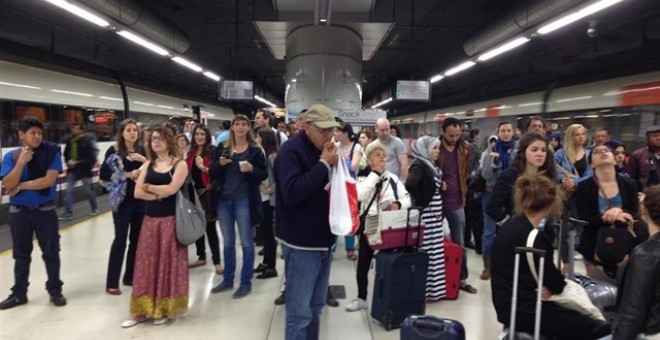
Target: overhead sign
[361,117]
[419,90]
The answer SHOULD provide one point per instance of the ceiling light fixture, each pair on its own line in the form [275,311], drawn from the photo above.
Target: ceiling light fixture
[436,78]
[144,43]
[575,16]
[462,67]
[212,75]
[382,103]
[187,64]
[79,12]
[503,48]
[263,100]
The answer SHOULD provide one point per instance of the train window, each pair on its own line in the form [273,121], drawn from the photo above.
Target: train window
[12,113]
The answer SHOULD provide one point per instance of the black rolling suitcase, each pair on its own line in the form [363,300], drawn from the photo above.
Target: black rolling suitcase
[509,333]
[428,327]
[400,283]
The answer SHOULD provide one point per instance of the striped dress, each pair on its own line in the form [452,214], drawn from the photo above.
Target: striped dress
[434,245]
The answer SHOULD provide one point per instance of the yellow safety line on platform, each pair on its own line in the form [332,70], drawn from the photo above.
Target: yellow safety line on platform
[75,225]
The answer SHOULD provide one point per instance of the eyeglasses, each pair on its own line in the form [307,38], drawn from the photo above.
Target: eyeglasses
[600,150]
[157,139]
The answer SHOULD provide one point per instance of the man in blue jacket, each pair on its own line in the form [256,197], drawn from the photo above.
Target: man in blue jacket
[28,175]
[302,170]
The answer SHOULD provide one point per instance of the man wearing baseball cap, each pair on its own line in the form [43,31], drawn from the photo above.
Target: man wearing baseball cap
[301,172]
[643,165]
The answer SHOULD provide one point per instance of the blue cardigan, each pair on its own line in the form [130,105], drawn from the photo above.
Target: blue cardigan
[562,160]
[303,205]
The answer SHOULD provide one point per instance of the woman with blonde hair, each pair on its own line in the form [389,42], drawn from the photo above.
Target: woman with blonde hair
[537,199]
[239,167]
[160,284]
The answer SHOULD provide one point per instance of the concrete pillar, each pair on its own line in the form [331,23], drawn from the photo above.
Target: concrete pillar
[323,65]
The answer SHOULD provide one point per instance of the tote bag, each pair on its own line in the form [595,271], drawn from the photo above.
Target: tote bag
[190,216]
[344,216]
[573,297]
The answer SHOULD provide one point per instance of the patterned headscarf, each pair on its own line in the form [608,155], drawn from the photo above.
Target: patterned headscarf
[421,150]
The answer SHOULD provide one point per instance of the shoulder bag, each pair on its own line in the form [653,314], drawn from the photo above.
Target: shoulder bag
[573,297]
[190,216]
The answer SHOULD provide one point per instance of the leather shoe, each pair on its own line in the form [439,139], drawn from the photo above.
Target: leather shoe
[262,252]
[267,274]
[468,288]
[13,301]
[58,300]
[330,300]
[222,287]
[280,299]
[260,268]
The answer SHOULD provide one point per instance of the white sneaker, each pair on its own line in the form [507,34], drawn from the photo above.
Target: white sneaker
[131,322]
[356,305]
[161,321]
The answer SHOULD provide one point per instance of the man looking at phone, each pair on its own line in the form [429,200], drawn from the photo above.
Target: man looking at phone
[29,174]
[301,172]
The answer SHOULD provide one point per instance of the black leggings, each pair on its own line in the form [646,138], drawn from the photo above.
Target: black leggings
[214,243]
[365,255]
[267,229]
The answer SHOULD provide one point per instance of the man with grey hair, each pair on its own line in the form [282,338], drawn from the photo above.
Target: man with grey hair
[397,158]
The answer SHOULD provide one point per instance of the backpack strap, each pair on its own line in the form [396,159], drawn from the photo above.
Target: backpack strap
[394,188]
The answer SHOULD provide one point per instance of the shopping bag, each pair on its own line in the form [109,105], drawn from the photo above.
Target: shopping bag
[344,216]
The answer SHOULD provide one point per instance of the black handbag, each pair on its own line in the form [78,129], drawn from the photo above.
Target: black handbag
[613,246]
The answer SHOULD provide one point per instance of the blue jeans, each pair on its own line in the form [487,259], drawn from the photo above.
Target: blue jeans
[231,213]
[307,275]
[88,186]
[42,222]
[456,220]
[490,227]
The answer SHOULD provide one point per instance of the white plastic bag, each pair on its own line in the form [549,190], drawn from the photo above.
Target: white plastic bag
[344,216]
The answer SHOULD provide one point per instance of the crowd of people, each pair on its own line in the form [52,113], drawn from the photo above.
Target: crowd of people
[274,175]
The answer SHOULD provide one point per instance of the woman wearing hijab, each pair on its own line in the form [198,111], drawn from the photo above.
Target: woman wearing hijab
[424,184]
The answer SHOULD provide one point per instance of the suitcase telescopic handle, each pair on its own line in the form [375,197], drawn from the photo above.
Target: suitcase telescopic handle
[578,223]
[524,250]
[429,325]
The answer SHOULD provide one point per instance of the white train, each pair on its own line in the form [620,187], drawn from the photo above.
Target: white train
[60,99]
[625,106]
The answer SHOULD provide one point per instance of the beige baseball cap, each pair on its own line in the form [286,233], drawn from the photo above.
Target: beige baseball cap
[321,116]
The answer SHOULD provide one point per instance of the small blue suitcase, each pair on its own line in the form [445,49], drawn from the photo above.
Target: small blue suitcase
[418,327]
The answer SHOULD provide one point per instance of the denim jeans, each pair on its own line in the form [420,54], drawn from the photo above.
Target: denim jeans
[230,215]
[490,227]
[307,275]
[24,223]
[88,186]
[456,220]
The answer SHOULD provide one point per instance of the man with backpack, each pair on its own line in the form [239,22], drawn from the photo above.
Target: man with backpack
[80,156]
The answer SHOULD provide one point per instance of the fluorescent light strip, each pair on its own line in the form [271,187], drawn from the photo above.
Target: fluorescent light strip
[80,12]
[464,66]
[263,100]
[143,103]
[436,78]
[144,43]
[573,99]
[187,64]
[165,107]
[111,98]
[20,85]
[212,75]
[575,16]
[530,104]
[503,48]
[382,103]
[74,93]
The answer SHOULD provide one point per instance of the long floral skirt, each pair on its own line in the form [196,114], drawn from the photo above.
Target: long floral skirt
[160,282]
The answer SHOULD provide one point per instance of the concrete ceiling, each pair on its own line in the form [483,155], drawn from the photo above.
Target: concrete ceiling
[407,39]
